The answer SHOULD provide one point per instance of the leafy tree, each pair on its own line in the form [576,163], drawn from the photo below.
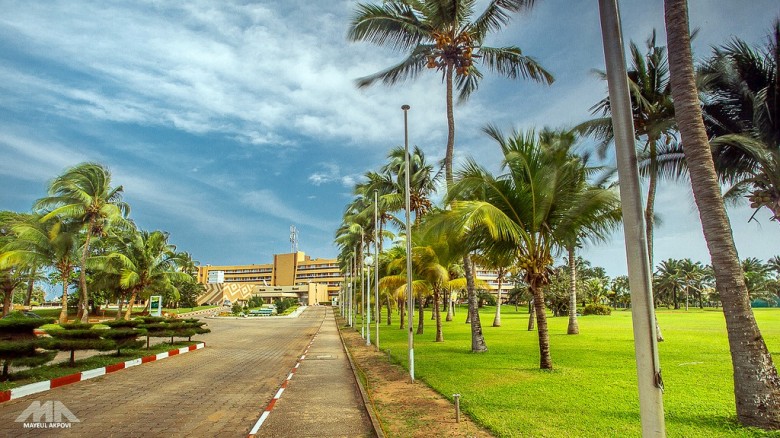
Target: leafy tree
[446,36]
[757,398]
[18,344]
[124,334]
[77,336]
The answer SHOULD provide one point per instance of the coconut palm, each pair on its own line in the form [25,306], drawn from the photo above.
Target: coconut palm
[669,281]
[446,36]
[145,264]
[52,243]
[653,113]
[756,382]
[741,110]
[535,205]
[423,179]
[12,274]
[500,258]
[83,193]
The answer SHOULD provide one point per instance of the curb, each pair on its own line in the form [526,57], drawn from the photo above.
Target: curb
[34,388]
[372,415]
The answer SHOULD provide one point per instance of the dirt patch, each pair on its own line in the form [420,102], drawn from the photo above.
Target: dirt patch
[405,409]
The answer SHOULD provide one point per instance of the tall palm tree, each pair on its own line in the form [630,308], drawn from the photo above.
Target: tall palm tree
[756,382]
[12,274]
[51,243]
[535,205]
[653,112]
[669,281]
[423,179]
[84,193]
[446,36]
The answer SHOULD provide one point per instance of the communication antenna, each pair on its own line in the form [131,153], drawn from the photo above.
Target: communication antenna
[293,239]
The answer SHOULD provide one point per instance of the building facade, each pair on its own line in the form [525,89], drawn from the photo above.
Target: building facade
[292,269]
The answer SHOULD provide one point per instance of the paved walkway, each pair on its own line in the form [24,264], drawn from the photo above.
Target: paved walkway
[322,399]
[219,391]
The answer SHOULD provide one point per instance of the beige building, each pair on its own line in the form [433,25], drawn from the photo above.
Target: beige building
[287,270]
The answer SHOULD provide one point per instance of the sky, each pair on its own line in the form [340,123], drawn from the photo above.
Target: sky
[227,122]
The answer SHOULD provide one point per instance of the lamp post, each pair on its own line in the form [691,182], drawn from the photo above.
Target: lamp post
[376,268]
[362,290]
[651,408]
[409,297]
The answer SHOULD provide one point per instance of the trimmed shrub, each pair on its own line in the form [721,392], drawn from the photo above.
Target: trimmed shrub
[18,344]
[597,309]
[77,336]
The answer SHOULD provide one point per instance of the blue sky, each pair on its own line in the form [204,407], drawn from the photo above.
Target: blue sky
[226,122]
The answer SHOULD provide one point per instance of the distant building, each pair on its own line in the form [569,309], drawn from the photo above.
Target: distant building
[293,269]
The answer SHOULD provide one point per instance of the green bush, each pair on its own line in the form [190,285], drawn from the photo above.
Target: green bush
[237,308]
[485,298]
[597,309]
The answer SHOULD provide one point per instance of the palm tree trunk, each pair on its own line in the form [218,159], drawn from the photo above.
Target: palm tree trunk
[651,190]
[130,304]
[477,339]
[448,300]
[437,312]
[497,318]
[30,286]
[420,317]
[389,313]
[64,310]
[8,298]
[119,307]
[756,382]
[531,314]
[545,361]
[83,312]
[450,128]
[574,327]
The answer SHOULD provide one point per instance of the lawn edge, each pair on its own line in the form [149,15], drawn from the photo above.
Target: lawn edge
[46,385]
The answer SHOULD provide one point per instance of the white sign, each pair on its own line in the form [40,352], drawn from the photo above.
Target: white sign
[47,415]
[155,305]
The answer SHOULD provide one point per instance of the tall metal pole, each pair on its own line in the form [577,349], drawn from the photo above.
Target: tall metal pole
[376,265]
[368,298]
[349,293]
[651,406]
[409,297]
[362,291]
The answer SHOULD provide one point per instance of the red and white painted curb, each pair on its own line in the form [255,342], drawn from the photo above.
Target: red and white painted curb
[278,394]
[34,388]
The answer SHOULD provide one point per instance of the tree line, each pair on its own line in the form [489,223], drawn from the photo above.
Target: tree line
[80,236]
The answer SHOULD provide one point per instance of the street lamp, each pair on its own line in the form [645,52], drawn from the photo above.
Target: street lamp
[409,297]
[651,408]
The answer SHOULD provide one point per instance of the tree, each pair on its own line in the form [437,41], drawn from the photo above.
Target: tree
[12,274]
[53,243]
[145,263]
[653,114]
[445,36]
[20,346]
[536,205]
[756,382]
[741,96]
[77,336]
[669,281]
[83,193]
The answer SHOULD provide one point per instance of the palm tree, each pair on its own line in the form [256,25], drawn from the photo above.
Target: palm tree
[669,280]
[741,110]
[145,263]
[83,193]
[756,382]
[535,205]
[423,179]
[500,258]
[11,274]
[444,35]
[51,243]
[653,113]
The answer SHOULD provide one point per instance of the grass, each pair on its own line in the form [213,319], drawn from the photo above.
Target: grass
[187,309]
[52,371]
[592,390]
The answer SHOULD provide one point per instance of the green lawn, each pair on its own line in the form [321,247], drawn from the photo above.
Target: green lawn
[592,391]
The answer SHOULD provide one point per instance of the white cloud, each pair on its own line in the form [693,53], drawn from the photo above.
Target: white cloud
[267,202]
